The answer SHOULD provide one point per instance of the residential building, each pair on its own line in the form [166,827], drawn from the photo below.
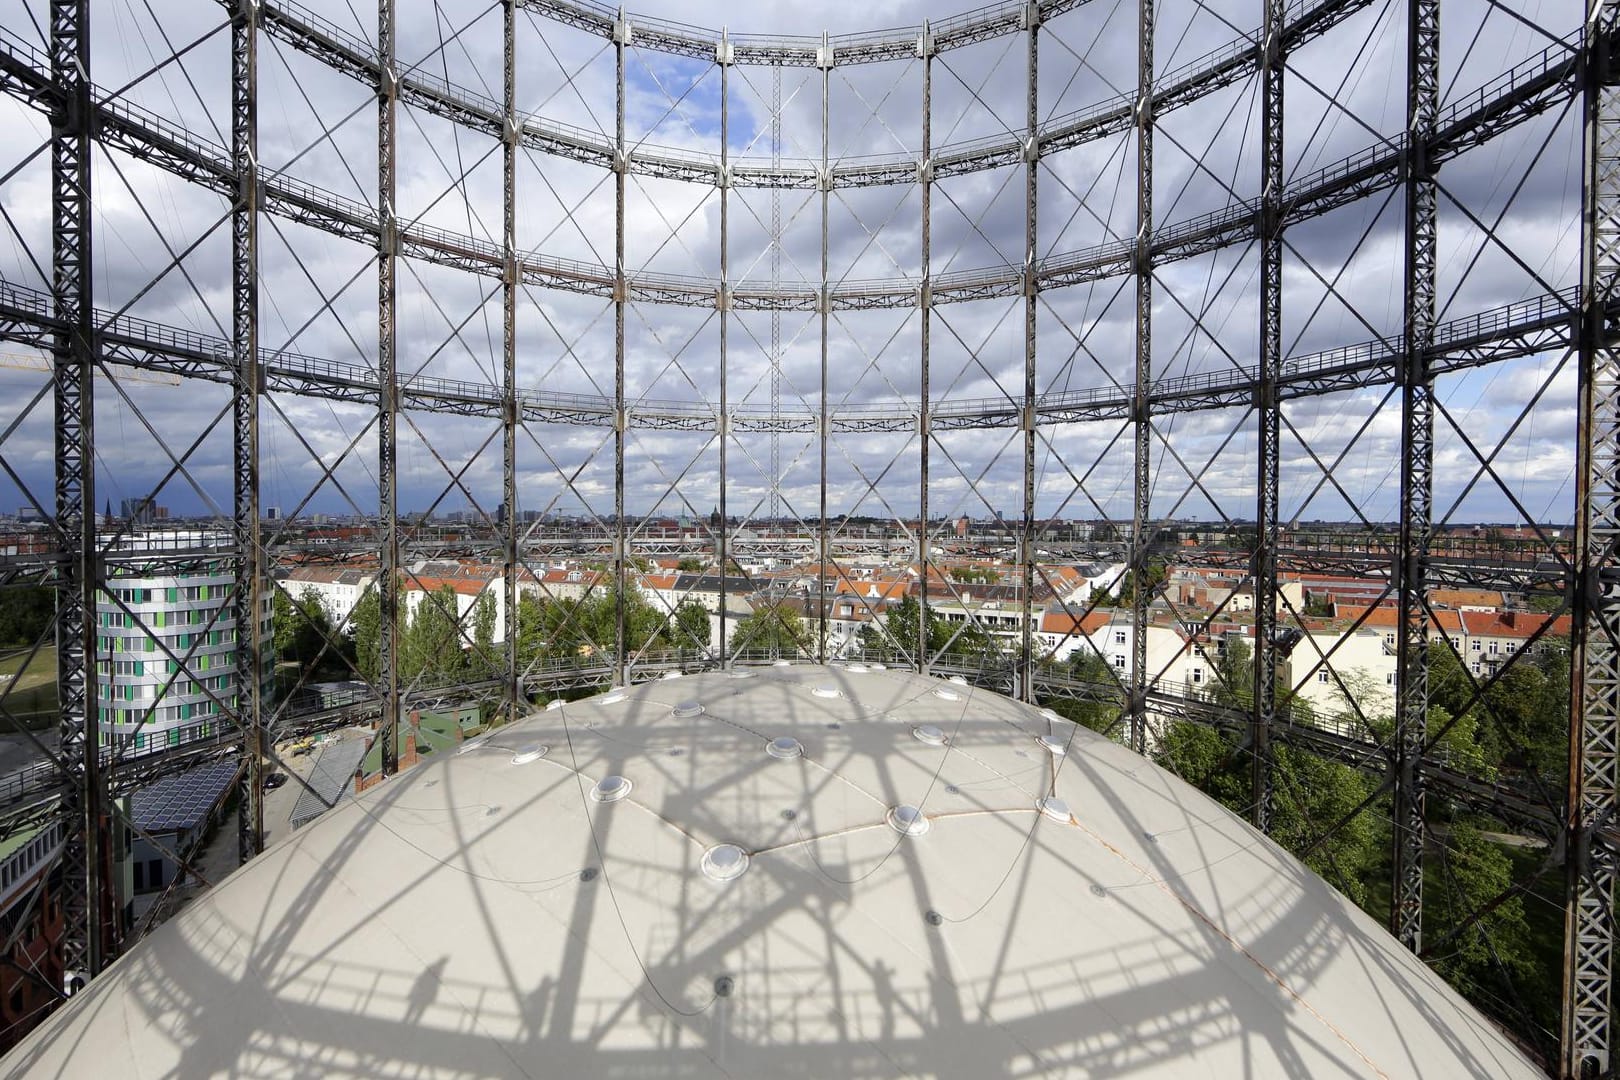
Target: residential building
[167,641]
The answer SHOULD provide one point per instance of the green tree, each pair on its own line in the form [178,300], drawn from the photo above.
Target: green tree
[1098,707]
[1234,674]
[483,658]
[365,625]
[1462,729]
[1466,873]
[776,628]
[283,630]
[529,627]
[690,564]
[1157,571]
[365,630]
[303,634]
[25,614]
[554,628]
[689,626]
[1206,759]
[1313,798]
[896,635]
[430,649]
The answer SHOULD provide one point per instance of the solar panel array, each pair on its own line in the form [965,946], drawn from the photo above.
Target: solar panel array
[181,802]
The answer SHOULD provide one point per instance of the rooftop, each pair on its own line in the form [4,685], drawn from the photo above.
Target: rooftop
[781,871]
[182,801]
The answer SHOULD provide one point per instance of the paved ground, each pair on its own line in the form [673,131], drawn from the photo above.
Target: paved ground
[216,861]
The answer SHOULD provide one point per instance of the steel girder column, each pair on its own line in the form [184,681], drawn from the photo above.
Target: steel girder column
[1417,472]
[388,400]
[1269,413]
[1031,290]
[250,570]
[1594,730]
[510,134]
[85,948]
[722,301]
[621,163]
[925,312]
[1141,486]
[824,60]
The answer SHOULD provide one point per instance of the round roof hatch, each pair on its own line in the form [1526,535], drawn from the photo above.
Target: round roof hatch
[785,748]
[907,820]
[530,753]
[554,704]
[611,789]
[1055,745]
[687,709]
[857,669]
[724,862]
[739,673]
[932,734]
[827,692]
[611,699]
[947,695]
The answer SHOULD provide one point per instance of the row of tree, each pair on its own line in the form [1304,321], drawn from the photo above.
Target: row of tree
[440,643]
[1337,819]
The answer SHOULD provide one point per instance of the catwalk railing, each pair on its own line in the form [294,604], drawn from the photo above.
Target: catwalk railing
[1524,327]
[338,48]
[1539,83]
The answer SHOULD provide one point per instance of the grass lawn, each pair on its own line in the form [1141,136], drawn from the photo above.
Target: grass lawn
[30,693]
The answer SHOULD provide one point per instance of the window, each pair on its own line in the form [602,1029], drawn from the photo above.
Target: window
[1473,646]
[1119,660]
[1119,637]
[1197,675]
[1322,676]
[1495,647]
[1389,678]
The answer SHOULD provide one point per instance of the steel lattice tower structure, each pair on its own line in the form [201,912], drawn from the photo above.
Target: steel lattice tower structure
[909,411]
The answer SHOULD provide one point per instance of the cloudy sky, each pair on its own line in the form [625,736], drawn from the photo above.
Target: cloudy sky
[162,253]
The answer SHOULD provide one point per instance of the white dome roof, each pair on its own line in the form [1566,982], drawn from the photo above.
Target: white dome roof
[741,914]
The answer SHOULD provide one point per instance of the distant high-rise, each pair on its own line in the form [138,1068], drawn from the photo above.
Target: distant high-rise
[166,651]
